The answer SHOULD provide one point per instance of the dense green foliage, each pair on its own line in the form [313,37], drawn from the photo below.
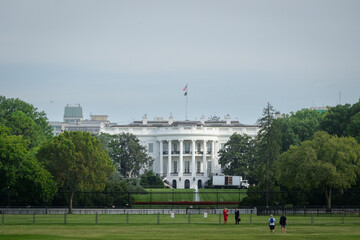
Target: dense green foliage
[299,126]
[77,161]
[24,119]
[325,163]
[284,135]
[343,120]
[22,129]
[127,153]
[268,149]
[149,179]
[238,156]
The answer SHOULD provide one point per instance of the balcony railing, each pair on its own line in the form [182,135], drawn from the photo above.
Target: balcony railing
[186,152]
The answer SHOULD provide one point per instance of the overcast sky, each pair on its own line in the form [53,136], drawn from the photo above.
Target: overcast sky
[130,58]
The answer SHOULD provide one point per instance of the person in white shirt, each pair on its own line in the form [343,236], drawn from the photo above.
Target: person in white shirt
[272,224]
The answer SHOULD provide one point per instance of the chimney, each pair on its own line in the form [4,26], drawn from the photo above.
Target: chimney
[145,119]
[202,119]
[277,115]
[171,120]
[228,119]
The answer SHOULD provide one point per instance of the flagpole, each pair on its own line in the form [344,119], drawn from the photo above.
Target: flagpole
[186,116]
[186,95]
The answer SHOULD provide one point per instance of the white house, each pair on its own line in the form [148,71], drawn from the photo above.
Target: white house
[184,152]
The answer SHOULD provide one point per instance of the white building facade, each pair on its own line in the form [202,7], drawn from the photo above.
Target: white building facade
[184,152]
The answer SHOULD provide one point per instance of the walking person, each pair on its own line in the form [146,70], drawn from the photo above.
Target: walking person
[283,223]
[237,216]
[272,224]
[225,213]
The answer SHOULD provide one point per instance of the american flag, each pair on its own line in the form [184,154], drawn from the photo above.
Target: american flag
[185,90]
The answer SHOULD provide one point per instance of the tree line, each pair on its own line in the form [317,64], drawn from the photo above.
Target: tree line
[37,168]
[301,152]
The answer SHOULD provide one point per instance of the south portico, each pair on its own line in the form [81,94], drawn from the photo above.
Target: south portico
[186,162]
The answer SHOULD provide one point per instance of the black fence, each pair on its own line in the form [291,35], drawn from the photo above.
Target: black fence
[177,199]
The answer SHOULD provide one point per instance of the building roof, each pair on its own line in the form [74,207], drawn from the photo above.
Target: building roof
[73,111]
[209,123]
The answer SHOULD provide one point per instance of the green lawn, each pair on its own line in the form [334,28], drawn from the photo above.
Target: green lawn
[171,231]
[168,195]
[166,219]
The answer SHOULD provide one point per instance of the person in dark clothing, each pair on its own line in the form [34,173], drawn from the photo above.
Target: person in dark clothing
[283,223]
[237,216]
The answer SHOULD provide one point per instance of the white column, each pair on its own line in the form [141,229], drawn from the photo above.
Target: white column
[161,159]
[181,158]
[193,170]
[204,159]
[212,156]
[169,159]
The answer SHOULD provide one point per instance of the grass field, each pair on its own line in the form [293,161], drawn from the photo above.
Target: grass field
[146,227]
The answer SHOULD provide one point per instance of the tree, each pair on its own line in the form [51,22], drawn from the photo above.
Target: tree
[126,152]
[78,162]
[20,173]
[238,155]
[299,126]
[269,145]
[336,120]
[324,163]
[24,119]
[149,179]
[353,129]
[118,192]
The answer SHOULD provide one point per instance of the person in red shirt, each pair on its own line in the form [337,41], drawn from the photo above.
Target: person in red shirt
[225,213]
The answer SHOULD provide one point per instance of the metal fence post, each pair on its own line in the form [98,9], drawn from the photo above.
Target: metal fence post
[343,215]
[33,218]
[251,216]
[3,218]
[96,218]
[219,218]
[127,218]
[312,218]
[65,218]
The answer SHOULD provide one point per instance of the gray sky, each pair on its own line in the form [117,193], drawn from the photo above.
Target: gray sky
[130,58]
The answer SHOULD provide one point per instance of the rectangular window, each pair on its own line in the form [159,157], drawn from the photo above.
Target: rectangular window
[222,146]
[209,167]
[151,147]
[199,148]
[187,147]
[198,166]
[175,167]
[175,147]
[187,166]
[209,147]
[165,148]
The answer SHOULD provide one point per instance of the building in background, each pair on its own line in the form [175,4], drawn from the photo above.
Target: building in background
[73,113]
[73,121]
[185,152]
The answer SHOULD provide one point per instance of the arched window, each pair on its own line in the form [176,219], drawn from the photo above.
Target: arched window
[187,183]
[199,184]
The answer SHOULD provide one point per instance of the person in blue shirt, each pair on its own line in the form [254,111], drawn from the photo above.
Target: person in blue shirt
[272,224]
